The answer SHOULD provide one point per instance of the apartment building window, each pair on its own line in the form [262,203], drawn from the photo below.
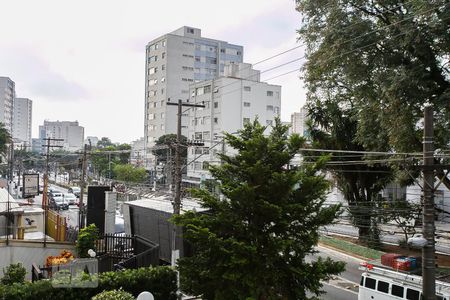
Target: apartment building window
[163,43]
[156,46]
[276,110]
[162,91]
[198,136]
[216,104]
[185,68]
[163,55]
[151,116]
[277,95]
[269,107]
[222,50]
[197,58]
[152,93]
[238,53]
[198,165]
[162,127]
[198,47]
[187,79]
[216,120]
[205,165]
[152,82]
[162,103]
[206,103]
[155,104]
[188,55]
[197,70]
[188,43]
[211,60]
[190,30]
[247,88]
[206,120]
[153,58]
[184,91]
[269,93]
[246,104]
[153,70]
[206,135]
[246,120]
[162,115]
[207,89]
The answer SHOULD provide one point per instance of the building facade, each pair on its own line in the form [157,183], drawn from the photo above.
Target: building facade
[230,102]
[298,122]
[7,96]
[173,62]
[70,132]
[137,152]
[22,116]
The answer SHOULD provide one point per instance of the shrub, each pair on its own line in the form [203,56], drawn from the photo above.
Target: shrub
[86,240]
[113,295]
[160,281]
[14,273]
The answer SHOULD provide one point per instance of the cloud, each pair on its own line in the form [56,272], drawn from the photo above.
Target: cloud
[34,77]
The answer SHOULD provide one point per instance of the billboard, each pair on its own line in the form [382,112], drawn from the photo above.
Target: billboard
[30,186]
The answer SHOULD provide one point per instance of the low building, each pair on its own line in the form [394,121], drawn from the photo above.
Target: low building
[71,133]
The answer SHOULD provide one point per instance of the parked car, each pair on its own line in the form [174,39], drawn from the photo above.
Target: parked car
[74,190]
[57,202]
[70,198]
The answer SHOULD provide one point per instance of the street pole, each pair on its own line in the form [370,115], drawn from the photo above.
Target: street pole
[177,197]
[428,229]
[81,208]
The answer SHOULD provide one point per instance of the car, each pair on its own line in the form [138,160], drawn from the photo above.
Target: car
[70,198]
[74,190]
[57,202]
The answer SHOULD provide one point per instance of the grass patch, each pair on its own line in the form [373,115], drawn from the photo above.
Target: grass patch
[351,248]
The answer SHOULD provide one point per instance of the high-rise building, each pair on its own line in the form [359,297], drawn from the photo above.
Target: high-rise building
[298,122]
[22,114]
[173,62]
[230,102]
[70,132]
[7,95]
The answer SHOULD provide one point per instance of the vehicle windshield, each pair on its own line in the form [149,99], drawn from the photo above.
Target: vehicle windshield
[76,189]
[57,195]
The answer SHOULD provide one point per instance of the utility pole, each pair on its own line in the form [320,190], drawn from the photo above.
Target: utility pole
[177,197]
[428,229]
[44,194]
[81,209]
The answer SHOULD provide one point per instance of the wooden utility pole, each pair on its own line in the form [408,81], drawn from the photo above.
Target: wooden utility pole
[81,208]
[428,229]
[177,197]
[44,194]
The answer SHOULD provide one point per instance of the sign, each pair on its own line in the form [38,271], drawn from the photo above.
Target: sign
[30,185]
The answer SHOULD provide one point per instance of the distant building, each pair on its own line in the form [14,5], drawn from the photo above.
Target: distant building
[22,114]
[137,152]
[93,141]
[36,146]
[71,133]
[230,102]
[7,95]
[173,62]
[298,122]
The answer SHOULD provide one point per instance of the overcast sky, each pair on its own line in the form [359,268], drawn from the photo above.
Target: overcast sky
[85,60]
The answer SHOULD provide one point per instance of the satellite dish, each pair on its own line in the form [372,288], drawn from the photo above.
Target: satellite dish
[145,296]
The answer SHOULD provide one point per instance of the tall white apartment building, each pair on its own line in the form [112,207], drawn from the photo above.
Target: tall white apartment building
[22,114]
[173,62]
[298,122]
[137,152]
[230,102]
[7,95]
[70,132]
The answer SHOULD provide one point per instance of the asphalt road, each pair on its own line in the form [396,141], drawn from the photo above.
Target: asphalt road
[345,285]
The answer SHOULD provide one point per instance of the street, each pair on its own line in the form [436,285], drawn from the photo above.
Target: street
[345,285]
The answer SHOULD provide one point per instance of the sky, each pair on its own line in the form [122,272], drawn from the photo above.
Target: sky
[84,60]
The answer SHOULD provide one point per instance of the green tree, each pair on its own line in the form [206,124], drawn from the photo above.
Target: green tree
[130,173]
[332,126]
[389,57]
[252,243]
[14,273]
[169,140]
[5,139]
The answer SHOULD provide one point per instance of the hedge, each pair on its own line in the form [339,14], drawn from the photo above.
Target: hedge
[160,281]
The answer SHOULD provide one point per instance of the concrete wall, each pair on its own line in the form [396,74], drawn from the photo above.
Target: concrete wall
[29,252]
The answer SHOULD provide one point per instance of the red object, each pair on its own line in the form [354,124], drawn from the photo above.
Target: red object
[387,259]
[402,264]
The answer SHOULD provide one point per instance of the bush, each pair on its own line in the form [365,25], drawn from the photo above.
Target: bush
[86,240]
[113,295]
[160,281]
[14,273]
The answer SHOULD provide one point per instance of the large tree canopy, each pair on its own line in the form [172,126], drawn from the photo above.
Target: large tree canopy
[388,58]
[252,244]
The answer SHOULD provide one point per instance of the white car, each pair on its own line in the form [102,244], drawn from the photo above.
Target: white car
[70,198]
